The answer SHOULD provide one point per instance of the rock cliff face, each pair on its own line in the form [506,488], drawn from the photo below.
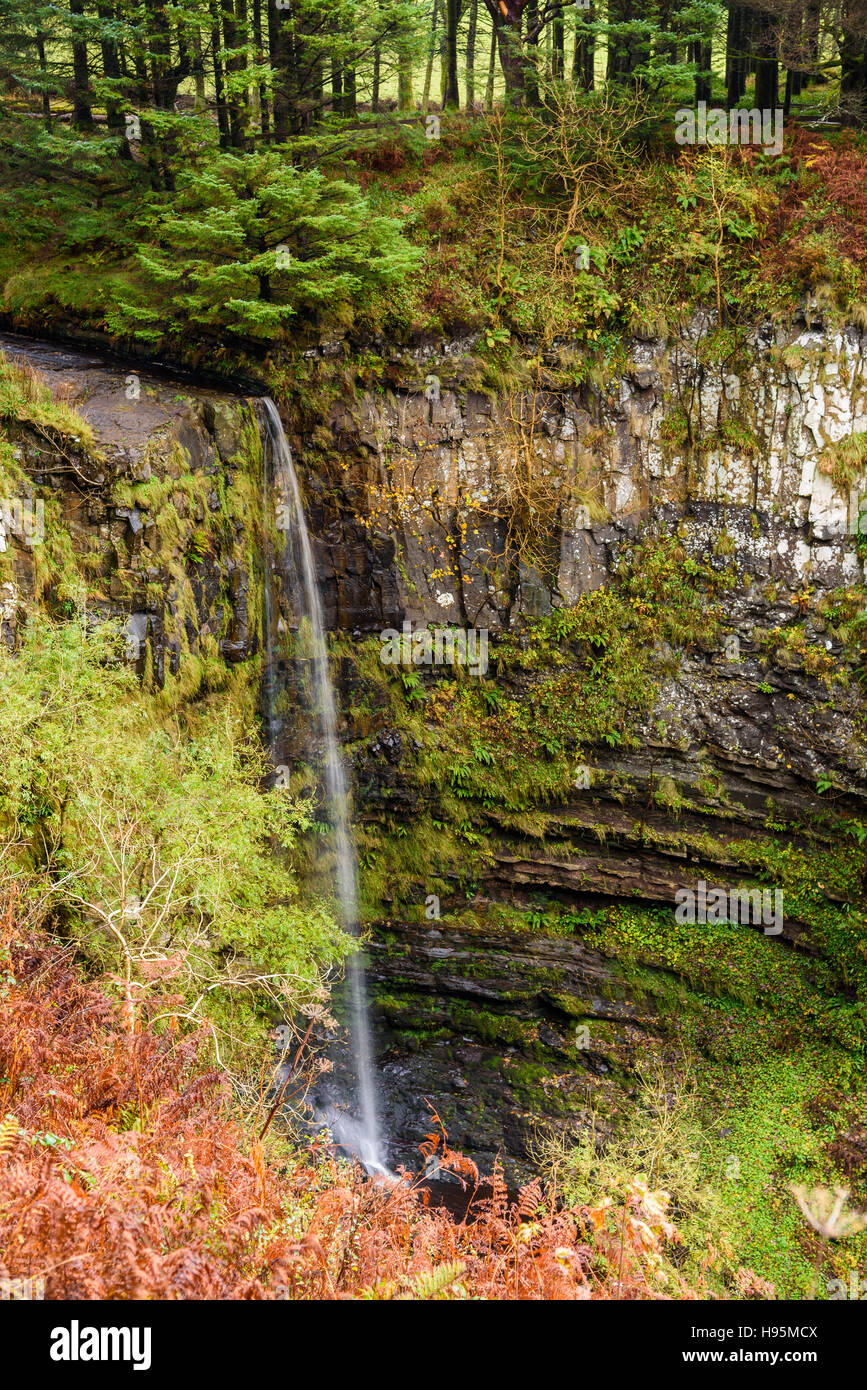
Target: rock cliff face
[741,460]
[162,513]
[434,502]
[743,445]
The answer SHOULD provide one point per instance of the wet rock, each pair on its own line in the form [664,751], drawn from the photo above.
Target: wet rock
[146,428]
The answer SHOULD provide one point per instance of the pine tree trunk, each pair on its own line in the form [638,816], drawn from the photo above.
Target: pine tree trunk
[229,41]
[374,90]
[451,92]
[142,90]
[558,65]
[471,55]
[492,68]
[584,51]
[617,57]
[259,40]
[350,102]
[590,54]
[159,39]
[235,30]
[199,68]
[853,64]
[219,88]
[767,94]
[82,112]
[111,70]
[531,70]
[43,70]
[812,18]
[733,41]
[242,19]
[511,59]
[703,59]
[443,55]
[405,101]
[428,75]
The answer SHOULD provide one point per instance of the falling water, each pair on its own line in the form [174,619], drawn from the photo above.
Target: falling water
[294,563]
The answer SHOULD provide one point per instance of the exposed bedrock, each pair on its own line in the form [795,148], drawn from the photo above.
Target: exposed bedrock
[743,447]
[162,513]
[740,461]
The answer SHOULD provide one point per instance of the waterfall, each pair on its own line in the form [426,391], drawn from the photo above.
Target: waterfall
[296,572]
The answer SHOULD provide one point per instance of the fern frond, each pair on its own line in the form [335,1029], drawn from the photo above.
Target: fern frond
[435,1281]
[9,1132]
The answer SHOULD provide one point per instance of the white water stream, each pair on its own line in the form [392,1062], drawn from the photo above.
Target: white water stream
[296,572]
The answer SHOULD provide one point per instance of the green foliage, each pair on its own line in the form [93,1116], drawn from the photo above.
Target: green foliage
[750,978]
[24,399]
[150,838]
[249,243]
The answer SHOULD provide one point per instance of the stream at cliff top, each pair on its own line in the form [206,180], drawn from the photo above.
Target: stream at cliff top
[294,568]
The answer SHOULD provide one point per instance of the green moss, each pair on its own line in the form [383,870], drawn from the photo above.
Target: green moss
[489,757]
[26,400]
[845,461]
[763,1140]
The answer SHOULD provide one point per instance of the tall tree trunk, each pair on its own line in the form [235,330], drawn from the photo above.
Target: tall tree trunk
[198,68]
[159,41]
[111,70]
[443,55]
[142,88]
[259,41]
[492,68]
[350,101]
[82,111]
[590,53]
[303,63]
[428,74]
[43,79]
[471,54]
[621,47]
[230,38]
[665,45]
[235,30]
[735,65]
[451,91]
[584,51]
[558,64]
[374,89]
[336,87]
[511,58]
[812,19]
[316,89]
[219,87]
[853,63]
[165,76]
[405,101]
[767,92]
[703,59]
[531,69]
